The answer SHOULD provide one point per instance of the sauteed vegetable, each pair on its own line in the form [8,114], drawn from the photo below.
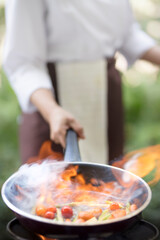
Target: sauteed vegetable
[44,189]
[85,201]
[80,212]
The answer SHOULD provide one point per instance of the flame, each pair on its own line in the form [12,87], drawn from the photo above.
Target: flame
[144,162]
[46,152]
[71,186]
[45,238]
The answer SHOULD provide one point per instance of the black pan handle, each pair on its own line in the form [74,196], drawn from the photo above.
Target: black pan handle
[72,153]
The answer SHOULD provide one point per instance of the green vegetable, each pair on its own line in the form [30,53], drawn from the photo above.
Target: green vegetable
[59,216]
[109,202]
[128,208]
[90,204]
[92,220]
[104,216]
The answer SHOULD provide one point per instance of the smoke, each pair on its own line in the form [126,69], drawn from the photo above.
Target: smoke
[48,183]
[24,189]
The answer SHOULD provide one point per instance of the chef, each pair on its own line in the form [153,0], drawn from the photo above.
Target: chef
[59,59]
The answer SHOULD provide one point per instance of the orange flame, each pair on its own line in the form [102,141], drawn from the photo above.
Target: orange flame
[45,238]
[46,152]
[71,186]
[143,162]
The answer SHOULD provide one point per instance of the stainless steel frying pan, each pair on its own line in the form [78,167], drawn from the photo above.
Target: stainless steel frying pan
[89,170]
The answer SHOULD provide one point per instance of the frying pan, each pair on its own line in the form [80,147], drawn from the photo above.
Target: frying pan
[89,170]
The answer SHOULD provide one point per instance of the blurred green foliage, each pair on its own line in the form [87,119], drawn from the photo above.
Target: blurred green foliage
[151,213]
[142,114]
[9,111]
[2,19]
[9,156]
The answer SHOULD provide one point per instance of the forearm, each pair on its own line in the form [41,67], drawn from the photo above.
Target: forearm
[152,55]
[44,100]
[58,119]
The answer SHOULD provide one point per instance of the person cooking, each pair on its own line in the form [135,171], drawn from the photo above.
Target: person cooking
[59,59]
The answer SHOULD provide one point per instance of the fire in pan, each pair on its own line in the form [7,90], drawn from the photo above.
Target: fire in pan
[74,197]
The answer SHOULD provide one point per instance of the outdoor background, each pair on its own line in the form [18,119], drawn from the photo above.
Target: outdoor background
[141,87]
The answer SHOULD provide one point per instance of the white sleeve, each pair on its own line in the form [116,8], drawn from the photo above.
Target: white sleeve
[25,49]
[136,41]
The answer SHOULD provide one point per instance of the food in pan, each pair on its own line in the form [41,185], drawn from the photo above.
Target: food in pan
[72,198]
[80,212]
[40,192]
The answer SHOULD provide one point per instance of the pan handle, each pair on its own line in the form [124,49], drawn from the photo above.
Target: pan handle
[72,153]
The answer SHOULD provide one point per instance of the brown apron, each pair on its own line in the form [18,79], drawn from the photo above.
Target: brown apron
[34,130]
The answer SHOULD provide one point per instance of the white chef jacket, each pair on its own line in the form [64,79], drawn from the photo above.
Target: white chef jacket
[39,31]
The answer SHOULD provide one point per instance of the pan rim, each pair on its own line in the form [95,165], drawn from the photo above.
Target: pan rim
[30,216]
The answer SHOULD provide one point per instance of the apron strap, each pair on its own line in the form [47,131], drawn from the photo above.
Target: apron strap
[115,112]
[52,73]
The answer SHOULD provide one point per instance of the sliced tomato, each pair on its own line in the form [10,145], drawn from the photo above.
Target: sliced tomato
[80,220]
[119,213]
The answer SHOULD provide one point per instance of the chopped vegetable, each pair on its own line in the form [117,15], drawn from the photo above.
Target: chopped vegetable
[68,220]
[59,216]
[75,204]
[105,215]
[79,220]
[110,217]
[49,214]
[92,220]
[67,212]
[128,208]
[52,209]
[85,212]
[86,215]
[41,210]
[133,207]
[119,213]
[114,206]
[109,202]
